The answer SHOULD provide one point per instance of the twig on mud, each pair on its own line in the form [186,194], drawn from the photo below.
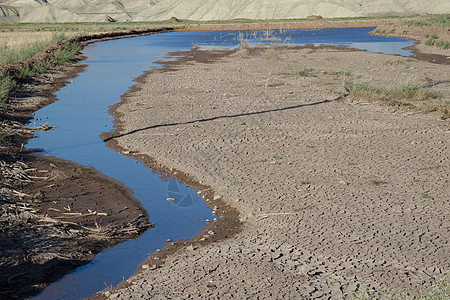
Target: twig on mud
[20,194]
[123,209]
[44,127]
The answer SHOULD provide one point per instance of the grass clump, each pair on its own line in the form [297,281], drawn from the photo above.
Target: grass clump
[378,182]
[431,40]
[433,20]
[439,290]
[28,71]
[337,73]
[361,87]
[307,72]
[11,55]
[8,85]
[443,44]
[408,94]
[443,107]
[379,31]
[399,103]
[65,54]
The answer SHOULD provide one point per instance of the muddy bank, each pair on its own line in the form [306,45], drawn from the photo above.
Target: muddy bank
[337,196]
[56,215]
[58,221]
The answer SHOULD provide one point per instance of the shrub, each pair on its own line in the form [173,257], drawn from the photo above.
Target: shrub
[7,86]
[430,42]
[28,71]
[443,44]
[65,54]
[360,87]
[307,72]
[10,56]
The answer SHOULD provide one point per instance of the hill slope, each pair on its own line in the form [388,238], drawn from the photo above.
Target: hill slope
[155,10]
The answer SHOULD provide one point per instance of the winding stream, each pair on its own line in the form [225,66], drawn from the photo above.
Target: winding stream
[81,114]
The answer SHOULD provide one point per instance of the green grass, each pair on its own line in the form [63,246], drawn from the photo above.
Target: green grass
[443,44]
[277,157]
[8,86]
[337,73]
[432,20]
[307,72]
[407,90]
[65,54]
[378,182]
[379,31]
[10,83]
[439,290]
[28,71]
[433,41]
[398,103]
[443,107]
[425,196]
[11,56]
[408,94]
[360,87]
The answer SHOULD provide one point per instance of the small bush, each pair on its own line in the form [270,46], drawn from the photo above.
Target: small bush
[430,42]
[406,89]
[379,31]
[443,44]
[441,20]
[398,103]
[7,86]
[443,108]
[29,71]
[58,37]
[307,72]
[69,51]
[360,87]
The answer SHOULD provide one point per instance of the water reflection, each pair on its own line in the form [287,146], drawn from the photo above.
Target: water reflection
[80,115]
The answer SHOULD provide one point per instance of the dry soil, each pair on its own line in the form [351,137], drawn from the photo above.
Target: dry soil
[337,195]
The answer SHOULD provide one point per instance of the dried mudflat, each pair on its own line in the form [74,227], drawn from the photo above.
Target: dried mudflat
[336,195]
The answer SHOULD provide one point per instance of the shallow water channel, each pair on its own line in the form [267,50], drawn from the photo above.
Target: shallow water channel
[81,114]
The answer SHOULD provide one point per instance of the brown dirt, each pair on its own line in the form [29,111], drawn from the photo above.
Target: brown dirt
[338,196]
[57,215]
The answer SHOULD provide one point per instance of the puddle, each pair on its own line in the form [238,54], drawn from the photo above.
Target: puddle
[80,116]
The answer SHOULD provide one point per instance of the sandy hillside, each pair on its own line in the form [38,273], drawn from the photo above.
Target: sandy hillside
[138,10]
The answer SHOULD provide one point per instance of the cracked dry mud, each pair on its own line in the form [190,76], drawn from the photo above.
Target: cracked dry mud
[337,197]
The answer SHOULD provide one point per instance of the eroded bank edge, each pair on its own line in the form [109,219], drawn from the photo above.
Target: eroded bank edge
[228,224]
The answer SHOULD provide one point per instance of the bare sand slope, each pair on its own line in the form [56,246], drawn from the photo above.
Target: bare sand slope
[336,196]
[156,10]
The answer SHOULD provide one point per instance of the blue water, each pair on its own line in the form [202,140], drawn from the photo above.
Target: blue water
[81,114]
